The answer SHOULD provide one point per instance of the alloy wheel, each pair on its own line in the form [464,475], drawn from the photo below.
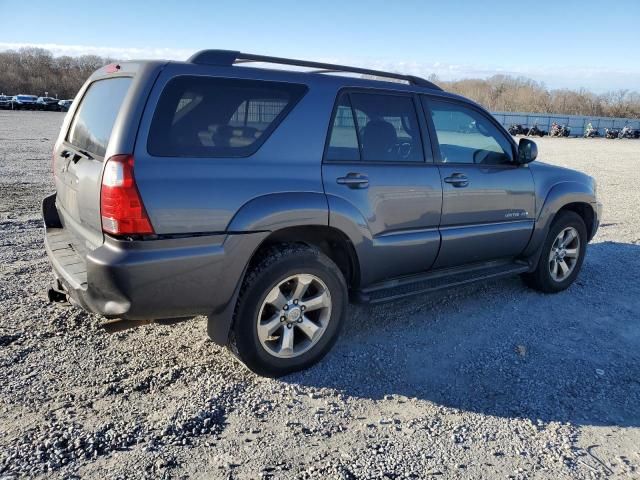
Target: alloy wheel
[564,254]
[294,315]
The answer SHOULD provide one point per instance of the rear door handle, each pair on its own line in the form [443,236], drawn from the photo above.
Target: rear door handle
[354,180]
[457,180]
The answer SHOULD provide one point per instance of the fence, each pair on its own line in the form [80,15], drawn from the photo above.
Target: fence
[577,123]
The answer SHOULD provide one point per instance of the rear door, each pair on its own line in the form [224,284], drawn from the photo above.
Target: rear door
[378,173]
[79,158]
[488,203]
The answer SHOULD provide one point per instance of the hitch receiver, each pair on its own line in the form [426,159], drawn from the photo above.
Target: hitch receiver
[57,296]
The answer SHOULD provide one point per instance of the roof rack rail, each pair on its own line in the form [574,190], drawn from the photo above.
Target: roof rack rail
[231,57]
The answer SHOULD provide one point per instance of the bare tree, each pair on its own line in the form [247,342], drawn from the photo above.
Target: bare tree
[36,71]
[509,94]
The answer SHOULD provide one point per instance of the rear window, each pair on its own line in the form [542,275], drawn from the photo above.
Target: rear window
[218,117]
[92,124]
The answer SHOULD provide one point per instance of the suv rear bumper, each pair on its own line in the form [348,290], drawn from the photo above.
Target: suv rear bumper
[148,279]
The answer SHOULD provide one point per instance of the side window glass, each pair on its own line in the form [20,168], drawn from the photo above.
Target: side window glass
[343,144]
[467,136]
[218,117]
[388,128]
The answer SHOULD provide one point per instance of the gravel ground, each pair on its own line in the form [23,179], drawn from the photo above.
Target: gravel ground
[488,381]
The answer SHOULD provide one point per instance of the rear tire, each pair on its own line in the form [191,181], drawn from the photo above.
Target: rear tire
[271,334]
[562,255]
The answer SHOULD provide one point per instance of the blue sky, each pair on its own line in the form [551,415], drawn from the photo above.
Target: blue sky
[565,43]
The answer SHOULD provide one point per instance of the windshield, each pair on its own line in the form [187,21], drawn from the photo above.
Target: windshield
[96,115]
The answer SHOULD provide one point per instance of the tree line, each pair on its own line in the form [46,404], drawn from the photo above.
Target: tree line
[502,93]
[36,71]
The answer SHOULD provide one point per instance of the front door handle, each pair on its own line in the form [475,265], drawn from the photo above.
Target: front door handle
[458,180]
[354,180]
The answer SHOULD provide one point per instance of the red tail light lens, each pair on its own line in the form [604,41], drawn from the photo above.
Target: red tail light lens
[121,207]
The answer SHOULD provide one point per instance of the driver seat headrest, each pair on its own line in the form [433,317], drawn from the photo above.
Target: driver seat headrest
[378,139]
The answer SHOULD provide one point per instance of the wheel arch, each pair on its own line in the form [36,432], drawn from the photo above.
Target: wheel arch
[565,196]
[586,212]
[330,241]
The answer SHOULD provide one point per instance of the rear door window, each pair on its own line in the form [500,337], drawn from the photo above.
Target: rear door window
[93,121]
[218,117]
[343,142]
[375,127]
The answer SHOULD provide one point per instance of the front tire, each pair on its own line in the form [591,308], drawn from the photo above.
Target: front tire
[562,255]
[291,308]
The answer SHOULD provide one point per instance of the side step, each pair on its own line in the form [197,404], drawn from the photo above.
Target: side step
[437,280]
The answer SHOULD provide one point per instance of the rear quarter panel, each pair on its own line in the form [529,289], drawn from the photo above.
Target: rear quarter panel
[189,195]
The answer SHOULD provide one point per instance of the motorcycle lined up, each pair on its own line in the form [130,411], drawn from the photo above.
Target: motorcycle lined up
[558,130]
[517,129]
[536,132]
[590,131]
[611,133]
[628,132]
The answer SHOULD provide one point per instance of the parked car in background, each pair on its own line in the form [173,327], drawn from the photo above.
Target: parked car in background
[5,101]
[200,187]
[64,105]
[47,103]
[24,102]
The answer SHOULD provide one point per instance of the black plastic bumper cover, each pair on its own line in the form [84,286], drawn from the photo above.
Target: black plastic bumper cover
[149,279]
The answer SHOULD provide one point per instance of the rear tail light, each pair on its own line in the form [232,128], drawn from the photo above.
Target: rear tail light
[121,206]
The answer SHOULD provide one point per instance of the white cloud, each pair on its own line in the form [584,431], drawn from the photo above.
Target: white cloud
[593,78]
[126,53]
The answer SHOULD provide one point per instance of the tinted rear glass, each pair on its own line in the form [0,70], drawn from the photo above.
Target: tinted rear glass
[217,117]
[92,124]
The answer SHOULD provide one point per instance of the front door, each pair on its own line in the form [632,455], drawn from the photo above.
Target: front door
[381,186]
[488,206]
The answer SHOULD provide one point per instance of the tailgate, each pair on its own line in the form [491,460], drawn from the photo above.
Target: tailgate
[80,153]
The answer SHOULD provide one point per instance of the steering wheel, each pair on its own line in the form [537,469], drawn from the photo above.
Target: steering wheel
[404,150]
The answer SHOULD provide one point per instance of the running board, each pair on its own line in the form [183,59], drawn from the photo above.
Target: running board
[436,280]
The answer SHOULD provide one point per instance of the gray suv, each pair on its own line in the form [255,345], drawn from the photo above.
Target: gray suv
[266,199]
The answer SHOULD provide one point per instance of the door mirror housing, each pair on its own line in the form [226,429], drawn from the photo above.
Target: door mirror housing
[527,151]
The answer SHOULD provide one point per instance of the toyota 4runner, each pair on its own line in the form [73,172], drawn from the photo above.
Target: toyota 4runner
[266,199]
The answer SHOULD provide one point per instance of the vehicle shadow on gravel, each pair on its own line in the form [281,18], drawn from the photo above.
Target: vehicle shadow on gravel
[504,350]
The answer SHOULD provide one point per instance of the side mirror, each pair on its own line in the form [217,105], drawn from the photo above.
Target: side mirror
[527,151]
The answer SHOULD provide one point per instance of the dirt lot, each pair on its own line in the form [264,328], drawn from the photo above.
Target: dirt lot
[489,381]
